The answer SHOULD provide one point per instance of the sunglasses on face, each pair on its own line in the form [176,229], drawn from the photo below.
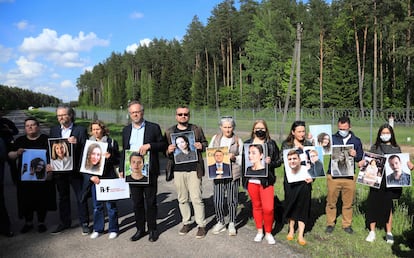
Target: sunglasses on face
[183,114]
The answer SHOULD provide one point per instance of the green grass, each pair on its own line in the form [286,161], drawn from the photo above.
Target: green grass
[339,243]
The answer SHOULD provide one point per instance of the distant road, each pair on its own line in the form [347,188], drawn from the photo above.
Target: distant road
[72,244]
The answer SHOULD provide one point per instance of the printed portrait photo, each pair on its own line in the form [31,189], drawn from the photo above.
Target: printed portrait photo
[136,167]
[218,163]
[93,158]
[295,165]
[371,173]
[322,136]
[255,155]
[34,165]
[185,151]
[342,164]
[397,172]
[61,154]
[314,161]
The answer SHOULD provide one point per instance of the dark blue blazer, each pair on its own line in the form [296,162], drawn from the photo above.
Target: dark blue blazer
[81,135]
[153,136]
[212,170]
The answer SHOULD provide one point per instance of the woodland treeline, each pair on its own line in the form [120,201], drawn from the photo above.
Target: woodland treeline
[17,98]
[353,53]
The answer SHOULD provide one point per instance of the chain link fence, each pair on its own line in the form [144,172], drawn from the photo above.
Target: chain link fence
[208,118]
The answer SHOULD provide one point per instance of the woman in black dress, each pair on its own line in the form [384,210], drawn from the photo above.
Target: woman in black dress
[379,201]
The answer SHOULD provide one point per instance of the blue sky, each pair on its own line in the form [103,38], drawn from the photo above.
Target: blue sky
[45,45]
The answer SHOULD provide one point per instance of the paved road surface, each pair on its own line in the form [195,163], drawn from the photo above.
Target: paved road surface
[72,244]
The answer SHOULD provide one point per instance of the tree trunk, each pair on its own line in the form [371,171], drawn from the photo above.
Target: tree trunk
[408,67]
[207,77]
[240,80]
[374,83]
[321,34]
[215,82]
[299,30]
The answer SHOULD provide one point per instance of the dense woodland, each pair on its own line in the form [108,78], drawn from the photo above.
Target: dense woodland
[254,54]
[17,98]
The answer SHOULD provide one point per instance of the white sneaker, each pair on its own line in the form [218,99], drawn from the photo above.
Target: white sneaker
[232,229]
[390,238]
[370,237]
[95,235]
[258,237]
[112,235]
[219,227]
[270,239]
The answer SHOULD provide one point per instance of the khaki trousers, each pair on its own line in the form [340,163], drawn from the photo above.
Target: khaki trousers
[347,189]
[189,187]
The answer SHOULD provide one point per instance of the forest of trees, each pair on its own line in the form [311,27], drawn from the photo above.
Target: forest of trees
[17,98]
[353,53]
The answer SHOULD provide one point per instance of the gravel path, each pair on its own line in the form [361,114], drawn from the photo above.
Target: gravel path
[72,244]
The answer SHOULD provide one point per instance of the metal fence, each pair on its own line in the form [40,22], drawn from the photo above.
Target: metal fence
[208,118]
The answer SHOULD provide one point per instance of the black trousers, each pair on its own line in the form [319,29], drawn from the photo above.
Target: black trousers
[63,182]
[144,199]
[4,216]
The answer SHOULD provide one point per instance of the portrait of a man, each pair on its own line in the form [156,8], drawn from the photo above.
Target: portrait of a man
[396,174]
[220,168]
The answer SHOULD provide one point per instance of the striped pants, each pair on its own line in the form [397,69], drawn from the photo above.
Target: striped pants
[223,188]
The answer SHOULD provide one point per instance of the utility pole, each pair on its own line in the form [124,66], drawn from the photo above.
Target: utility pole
[295,61]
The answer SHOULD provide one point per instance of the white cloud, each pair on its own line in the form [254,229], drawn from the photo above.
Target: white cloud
[145,42]
[132,48]
[6,54]
[22,25]
[66,84]
[63,50]
[29,69]
[136,15]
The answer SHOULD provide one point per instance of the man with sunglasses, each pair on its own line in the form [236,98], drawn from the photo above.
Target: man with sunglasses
[188,176]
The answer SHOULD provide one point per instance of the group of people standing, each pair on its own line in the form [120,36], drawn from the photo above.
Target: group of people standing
[142,136]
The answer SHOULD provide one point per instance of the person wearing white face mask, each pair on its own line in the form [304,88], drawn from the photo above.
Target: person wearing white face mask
[342,185]
[380,212]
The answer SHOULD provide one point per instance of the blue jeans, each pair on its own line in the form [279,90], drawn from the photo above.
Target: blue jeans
[99,214]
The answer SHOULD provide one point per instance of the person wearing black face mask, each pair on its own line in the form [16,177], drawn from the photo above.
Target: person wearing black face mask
[343,185]
[261,189]
[380,212]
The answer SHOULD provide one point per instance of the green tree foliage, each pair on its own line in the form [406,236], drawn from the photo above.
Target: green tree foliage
[242,57]
[16,98]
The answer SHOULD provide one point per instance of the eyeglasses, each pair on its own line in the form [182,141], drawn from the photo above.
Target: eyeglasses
[136,112]
[183,114]
[63,115]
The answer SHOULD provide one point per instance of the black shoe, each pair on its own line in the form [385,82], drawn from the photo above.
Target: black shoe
[41,228]
[201,233]
[349,230]
[26,228]
[137,236]
[85,230]
[60,228]
[153,236]
[329,229]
